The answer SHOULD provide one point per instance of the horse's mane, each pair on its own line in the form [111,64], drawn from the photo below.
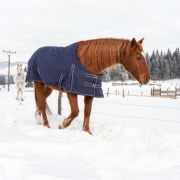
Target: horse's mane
[103,52]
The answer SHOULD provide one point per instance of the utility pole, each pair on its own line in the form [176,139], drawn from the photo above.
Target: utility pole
[9,52]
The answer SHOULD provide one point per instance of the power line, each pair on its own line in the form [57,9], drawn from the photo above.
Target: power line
[129,104]
[130,117]
[134,21]
[145,18]
[150,23]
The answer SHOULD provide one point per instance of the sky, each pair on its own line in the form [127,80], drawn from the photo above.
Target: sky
[26,25]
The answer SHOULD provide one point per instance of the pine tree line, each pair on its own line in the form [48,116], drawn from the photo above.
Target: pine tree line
[163,66]
[3,80]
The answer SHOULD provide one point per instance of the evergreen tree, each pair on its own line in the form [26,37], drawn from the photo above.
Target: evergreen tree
[106,77]
[25,69]
[158,65]
[168,55]
[161,66]
[152,57]
[123,74]
[11,80]
[177,62]
[3,80]
[154,70]
[114,73]
[166,75]
[148,60]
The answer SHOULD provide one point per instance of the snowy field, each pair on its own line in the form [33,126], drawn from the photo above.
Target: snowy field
[134,138]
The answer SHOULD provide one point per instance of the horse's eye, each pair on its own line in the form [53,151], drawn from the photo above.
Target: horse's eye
[138,58]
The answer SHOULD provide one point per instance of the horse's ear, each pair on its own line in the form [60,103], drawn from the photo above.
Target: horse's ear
[21,65]
[141,41]
[133,42]
[17,64]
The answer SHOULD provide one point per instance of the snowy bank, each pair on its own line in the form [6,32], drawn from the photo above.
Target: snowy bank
[133,138]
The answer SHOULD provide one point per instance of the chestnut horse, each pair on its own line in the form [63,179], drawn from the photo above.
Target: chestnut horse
[96,56]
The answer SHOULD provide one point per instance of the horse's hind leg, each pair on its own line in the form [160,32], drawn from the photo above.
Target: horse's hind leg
[48,91]
[87,112]
[74,111]
[21,95]
[41,101]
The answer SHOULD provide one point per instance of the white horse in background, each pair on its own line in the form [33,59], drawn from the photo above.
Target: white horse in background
[20,81]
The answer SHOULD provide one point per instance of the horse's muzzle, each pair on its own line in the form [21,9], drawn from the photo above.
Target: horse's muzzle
[146,80]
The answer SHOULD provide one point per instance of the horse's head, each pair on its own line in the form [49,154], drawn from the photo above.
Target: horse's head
[19,69]
[135,62]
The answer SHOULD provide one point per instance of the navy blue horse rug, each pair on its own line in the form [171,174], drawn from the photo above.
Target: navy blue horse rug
[59,66]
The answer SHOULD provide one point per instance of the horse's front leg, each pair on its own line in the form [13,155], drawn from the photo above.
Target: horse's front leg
[17,97]
[22,91]
[21,95]
[87,112]
[74,111]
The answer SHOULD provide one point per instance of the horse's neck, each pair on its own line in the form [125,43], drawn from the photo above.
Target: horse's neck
[100,67]
[105,59]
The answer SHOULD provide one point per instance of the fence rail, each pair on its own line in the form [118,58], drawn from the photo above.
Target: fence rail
[144,92]
[127,92]
[168,93]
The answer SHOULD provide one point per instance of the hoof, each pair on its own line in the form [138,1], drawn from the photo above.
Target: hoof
[47,125]
[61,126]
[88,131]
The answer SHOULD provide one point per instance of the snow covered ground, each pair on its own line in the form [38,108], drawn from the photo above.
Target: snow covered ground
[133,138]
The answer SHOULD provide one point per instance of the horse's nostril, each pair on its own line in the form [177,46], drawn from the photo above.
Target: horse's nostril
[146,80]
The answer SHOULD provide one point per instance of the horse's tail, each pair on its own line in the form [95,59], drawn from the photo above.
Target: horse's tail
[36,98]
[48,111]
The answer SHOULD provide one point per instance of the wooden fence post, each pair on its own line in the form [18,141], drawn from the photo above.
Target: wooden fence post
[160,91]
[60,102]
[123,92]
